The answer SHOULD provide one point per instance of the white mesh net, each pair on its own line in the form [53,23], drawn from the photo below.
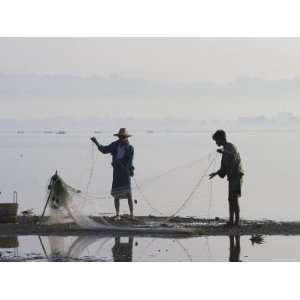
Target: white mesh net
[65,205]
[68,204]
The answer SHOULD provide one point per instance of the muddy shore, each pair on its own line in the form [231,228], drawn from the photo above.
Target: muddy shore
[152,226]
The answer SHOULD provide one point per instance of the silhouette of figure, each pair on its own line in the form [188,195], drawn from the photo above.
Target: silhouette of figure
[235,248]
[122,162]
[122,251]
[231,167]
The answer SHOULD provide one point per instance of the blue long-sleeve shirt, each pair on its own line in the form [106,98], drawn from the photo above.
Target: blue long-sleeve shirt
[126,161]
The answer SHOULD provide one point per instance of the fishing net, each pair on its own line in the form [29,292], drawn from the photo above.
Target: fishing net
[159,190]
[65,205]
[68,204]
[61,248]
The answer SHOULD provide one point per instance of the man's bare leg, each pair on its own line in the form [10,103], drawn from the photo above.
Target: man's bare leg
[117,207]
[231,211]
[237,210]
[130,204]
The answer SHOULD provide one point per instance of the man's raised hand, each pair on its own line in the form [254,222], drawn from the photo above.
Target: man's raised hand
[94,140]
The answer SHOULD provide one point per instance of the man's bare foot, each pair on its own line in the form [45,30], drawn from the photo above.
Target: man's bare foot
[117,217]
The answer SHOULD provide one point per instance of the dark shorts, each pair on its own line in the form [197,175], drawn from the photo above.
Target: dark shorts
[121,192]
[235,187]
[121,185]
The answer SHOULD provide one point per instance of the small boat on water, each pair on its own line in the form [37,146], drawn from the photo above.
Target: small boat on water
[61,132]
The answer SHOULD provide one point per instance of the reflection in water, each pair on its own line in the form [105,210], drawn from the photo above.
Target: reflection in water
[257,239]
[57,247]
[235,248]
[59,251]
[187,253]
[135,248]
[81,243]
[9,242]
[122,251]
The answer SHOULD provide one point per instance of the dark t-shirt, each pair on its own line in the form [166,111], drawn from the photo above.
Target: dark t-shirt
[231,164]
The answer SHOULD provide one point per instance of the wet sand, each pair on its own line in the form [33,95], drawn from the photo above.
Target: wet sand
[152,226]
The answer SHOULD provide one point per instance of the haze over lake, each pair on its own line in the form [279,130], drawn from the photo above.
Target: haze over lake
[171,94]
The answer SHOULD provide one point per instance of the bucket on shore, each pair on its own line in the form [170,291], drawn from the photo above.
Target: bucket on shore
[9,211]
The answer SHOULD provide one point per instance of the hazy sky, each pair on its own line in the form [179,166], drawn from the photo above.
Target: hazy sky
[180,59]
[148,77]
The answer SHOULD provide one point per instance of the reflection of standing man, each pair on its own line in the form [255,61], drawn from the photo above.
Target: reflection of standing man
[235,248]
[231,167]
[122,251]
[122,157]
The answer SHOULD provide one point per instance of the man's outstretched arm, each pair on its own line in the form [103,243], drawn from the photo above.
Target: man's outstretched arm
[103,149]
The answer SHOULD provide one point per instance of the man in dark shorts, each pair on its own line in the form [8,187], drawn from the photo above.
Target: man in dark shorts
[231,167]
[122,157]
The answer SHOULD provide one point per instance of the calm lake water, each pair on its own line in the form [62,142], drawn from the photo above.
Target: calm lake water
[97,248]
[271,163]
[270,159]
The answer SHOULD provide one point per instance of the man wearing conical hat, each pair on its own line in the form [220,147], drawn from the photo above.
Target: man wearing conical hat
[122,157]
